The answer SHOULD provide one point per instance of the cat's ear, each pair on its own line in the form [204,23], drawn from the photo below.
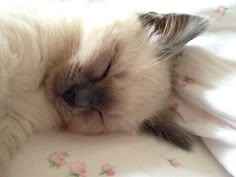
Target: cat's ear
[170,32]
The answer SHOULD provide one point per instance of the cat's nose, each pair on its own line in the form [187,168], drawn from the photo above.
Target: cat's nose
[78,97]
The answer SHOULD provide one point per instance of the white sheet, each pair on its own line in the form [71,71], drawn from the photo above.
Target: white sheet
[62,155]
[206,85]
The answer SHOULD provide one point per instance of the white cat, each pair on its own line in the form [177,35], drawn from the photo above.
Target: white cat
[59,68]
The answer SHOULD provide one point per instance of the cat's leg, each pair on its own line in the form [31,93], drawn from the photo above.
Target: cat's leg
[165,126]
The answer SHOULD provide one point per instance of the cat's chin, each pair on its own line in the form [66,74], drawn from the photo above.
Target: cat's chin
[86,127]
[102,132]
[87,133]
[94,127]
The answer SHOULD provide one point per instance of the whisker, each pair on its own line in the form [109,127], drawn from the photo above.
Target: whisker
[127,65]
[156,82]
[148,65]
[162,88]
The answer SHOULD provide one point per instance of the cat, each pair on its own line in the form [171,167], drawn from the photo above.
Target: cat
[119,77]
[88,75]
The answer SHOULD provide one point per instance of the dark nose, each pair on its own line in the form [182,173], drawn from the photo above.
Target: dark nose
[78,97]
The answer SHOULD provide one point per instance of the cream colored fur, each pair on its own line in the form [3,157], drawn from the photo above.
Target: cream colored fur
[31,39]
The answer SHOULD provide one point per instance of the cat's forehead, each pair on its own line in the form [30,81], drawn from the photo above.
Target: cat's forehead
[107,23]
[98,17]
[103,37]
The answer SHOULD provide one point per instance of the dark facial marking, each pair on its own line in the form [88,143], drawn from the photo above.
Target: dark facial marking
[79,97]
[87,96]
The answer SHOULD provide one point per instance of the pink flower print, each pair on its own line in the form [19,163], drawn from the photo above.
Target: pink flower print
[188,80]
[221,10]
[57,159]
[107,170]
[174,105]
[110,172]
[174,163]
[77,169]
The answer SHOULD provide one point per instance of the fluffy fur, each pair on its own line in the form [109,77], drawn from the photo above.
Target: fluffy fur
[121,61]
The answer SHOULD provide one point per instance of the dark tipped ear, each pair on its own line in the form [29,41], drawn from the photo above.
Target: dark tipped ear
[170,32]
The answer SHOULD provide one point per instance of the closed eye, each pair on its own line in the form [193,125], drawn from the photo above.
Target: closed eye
[115,54]
[104,74]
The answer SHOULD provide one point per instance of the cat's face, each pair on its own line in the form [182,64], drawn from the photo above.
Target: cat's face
[117,75]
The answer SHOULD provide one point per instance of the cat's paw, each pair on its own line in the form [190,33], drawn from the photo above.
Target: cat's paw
[169,131]
[180,138]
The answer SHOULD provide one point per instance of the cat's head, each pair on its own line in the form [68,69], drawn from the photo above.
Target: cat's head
[118,73]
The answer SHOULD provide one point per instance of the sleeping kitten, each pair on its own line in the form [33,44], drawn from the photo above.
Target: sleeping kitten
[91,76]
[118,78]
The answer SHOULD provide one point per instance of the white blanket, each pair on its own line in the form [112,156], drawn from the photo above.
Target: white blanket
[206,86]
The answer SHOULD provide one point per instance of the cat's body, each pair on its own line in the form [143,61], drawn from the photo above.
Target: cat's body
[24,58]
[56,69]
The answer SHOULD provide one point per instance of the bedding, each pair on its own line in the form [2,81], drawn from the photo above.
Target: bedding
[69,155]
[205,102]
[206,84]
